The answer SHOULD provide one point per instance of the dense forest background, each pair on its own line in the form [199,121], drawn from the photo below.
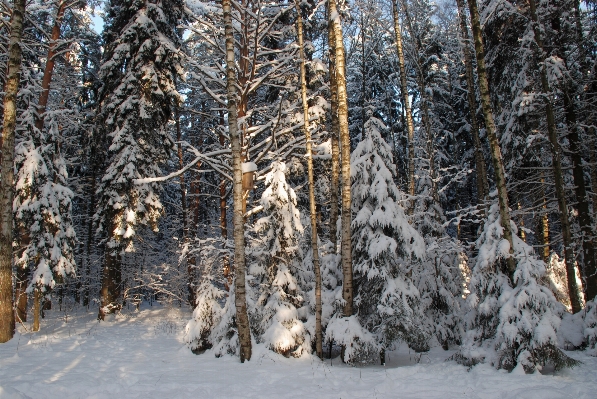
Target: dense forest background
[442,192]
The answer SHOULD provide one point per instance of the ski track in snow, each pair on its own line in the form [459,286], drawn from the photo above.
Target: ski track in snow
[142,355]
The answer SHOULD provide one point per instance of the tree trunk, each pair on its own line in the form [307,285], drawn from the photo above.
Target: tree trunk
[223,217]
[7,317]
[36,308]
[185,217]
[346,240]
[496,153]
[363,80]
[406,103]
[314,246]
[584,214]
[90,213]
[543,224]
[335,134]
[22,281]
[575,299]
[482,184]
[111,284]
[593,159]
[49,68]
[242,319]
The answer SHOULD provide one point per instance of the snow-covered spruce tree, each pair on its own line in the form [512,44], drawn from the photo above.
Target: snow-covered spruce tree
[385,248]
[42,210]
[210,295]
[139,64]
[440,276]
[514,323]
[274,258]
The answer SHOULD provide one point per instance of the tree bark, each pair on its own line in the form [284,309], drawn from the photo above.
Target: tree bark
[111,284]
[36,308]
[335,134]
[593,159]
[7,317]
[363,80]
[496,153]
[22,281]
[242,319]
[589,269]
[406,103]
[90,213]
[346,240]
[309,154]
[543,224]
[223,217]
[49,68]
[482,184]
[184,209]
[556,150]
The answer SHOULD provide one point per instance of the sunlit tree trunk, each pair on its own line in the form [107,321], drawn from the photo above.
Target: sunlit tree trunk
[313,214]
[556,151]
[589,270]
[22,280]
[111,283]
[223,217]
[496,153]
[543,223]
[410,127]
[334,137]
[242,319]
[36,308]
[7,317]
[346,238]
[49,68]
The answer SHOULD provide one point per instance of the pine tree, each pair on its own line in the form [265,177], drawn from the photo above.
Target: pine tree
[138,93]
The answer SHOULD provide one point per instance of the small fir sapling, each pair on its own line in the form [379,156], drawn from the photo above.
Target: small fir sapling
[42,206]
[275,260]
[211,295]
[440,276]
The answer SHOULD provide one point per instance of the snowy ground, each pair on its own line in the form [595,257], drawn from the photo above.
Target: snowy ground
[142,355]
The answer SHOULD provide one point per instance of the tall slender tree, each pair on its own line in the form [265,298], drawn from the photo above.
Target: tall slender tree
[496,153]
[340,74]
[15,52]
[242,319]
[313,215]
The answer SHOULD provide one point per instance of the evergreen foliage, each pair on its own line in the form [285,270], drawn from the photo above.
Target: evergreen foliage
[140,62]
[514,323]
[387,248]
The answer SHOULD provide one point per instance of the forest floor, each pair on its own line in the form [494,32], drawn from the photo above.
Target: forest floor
[143,355]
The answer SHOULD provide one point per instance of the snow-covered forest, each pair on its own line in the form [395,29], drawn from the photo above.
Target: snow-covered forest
[323,180]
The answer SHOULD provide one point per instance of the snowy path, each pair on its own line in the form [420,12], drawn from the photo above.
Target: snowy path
[142,356]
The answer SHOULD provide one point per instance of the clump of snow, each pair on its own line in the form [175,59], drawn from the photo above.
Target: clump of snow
[359,345]
[249,167]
